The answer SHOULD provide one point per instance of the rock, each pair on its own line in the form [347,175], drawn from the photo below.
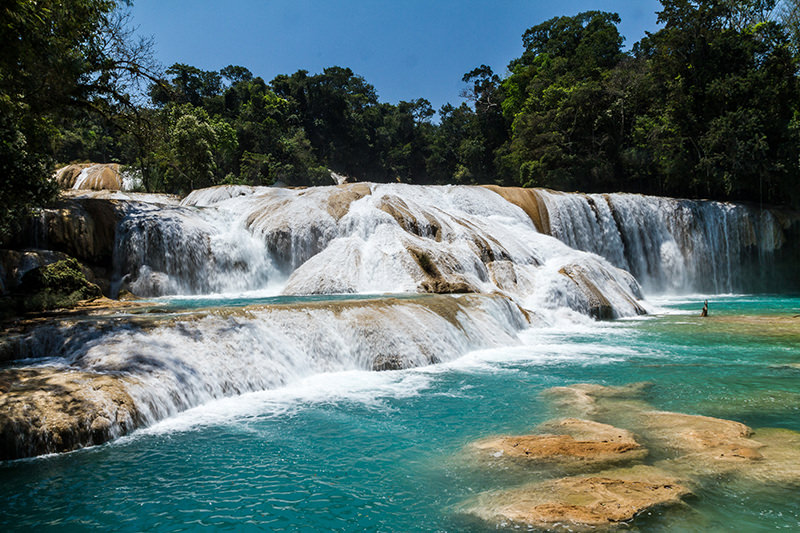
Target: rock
[92,176]
[691,445]
[685,434]
[60,284]
[389,362]
[47,410]
[65,176]
[573,444]
[780,458]
[588,399]
[436,282]
[440,286]
[16,263]
[599,306]
[341,197]
[83,228]
[607,499]
[427,226]
[529,201]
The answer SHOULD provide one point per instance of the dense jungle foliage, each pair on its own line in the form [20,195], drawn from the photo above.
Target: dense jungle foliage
[707,106]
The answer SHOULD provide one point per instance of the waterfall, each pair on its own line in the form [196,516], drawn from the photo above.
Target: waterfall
[523,257]
[363,238]
[169,363]
[672,245]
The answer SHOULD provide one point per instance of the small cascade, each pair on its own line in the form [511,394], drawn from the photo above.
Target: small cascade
[167,364]
[674,245]
[175,250]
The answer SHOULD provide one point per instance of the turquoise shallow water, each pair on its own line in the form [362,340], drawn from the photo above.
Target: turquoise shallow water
[384,451]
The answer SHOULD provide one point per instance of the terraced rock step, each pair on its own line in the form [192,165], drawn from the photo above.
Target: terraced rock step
[47,410]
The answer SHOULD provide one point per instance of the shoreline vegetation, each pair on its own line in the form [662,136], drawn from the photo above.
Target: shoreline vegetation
[706,107]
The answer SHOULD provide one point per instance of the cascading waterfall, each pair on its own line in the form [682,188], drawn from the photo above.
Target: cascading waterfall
[171,363]
[523,255]
[672,245]
[364,239]
[175,250]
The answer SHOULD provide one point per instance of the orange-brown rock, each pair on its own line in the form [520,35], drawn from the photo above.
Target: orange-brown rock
[93,176]
[574,444]
[607,499]
[45,410]
[529,201]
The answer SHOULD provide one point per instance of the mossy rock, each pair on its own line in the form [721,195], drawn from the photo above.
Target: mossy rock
[57,285]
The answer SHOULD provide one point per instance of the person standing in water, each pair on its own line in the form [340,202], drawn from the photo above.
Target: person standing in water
[704,312]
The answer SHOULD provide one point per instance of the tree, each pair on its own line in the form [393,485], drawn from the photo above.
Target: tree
[56,58]
[720,124]
[564,133]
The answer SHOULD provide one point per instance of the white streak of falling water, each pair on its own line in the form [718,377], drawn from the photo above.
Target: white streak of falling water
[669,245]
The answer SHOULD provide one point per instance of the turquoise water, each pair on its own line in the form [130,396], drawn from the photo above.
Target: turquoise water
[384,451]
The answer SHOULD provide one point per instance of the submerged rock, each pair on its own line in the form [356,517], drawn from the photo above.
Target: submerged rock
[570,443]
[46,410]
[587,399]
[610,498]
[684,434]
[690,445]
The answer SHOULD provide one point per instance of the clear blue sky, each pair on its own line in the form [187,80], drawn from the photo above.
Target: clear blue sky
[406,48]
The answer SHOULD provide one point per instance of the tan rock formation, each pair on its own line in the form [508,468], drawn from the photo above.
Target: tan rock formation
[587,399]
[45,410]
[690,445]
[342,196]
[83,228]
[685,434]
[599,306]
[93,176]
[529,201]
[607,499]
[570,443]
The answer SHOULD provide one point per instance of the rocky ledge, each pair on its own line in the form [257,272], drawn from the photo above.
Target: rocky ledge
[569,443]
[608,499]
[47,410]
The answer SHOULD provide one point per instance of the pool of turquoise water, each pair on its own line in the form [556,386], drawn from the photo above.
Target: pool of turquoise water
[384,451]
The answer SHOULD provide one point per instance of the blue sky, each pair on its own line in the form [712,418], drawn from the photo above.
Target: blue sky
[407,48]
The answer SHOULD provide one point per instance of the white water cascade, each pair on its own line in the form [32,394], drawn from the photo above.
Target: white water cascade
[171,363]
[672,245]
[363,239]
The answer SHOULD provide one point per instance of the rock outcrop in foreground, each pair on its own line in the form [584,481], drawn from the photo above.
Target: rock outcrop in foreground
[570,444]
[47,410]
[684,450]
[608,499]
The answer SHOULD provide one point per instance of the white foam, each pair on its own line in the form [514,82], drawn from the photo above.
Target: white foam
[369,389]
